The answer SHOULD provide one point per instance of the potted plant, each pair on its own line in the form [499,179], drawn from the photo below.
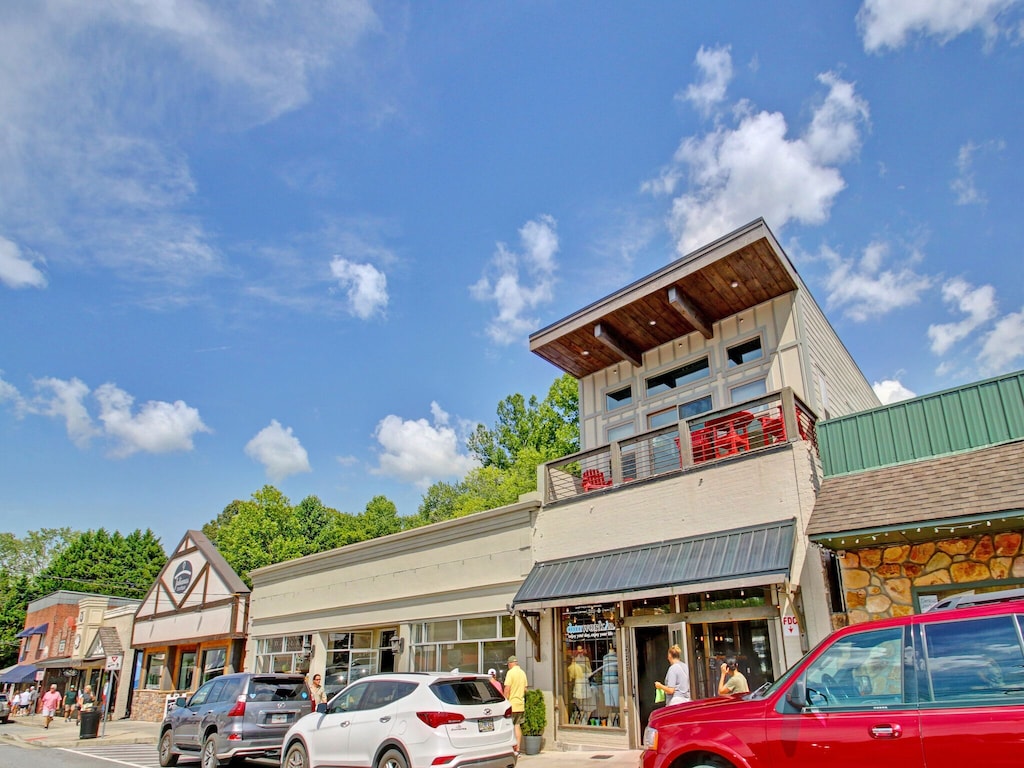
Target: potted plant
[535,720]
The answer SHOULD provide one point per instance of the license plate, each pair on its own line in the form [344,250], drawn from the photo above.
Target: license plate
[278,717]
[486,724]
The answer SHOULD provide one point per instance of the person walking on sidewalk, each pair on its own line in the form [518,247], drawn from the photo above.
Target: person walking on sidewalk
[515,692]
[51,703]
[69,703]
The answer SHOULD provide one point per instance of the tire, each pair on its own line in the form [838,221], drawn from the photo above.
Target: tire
[391,759]
[295,757]
[711,762]
[208,759]
[165,750]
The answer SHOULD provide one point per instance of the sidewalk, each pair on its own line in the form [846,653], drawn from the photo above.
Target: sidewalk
[29,730]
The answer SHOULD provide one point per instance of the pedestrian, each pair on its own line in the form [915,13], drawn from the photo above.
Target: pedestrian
[86,701]
[317,689]
[732,680]
[515,692]
[677,679]
[69,703]
[21,702]
[33,698]
[51,703]
[493,673]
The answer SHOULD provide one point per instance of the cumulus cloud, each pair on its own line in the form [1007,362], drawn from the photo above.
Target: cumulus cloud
[715,65]
[419,451]
[365,286]
[888,23]
[66,400]
[979,304]
[17,270]
[964,184]
[279,451]
[520,282]
[862,289]
[753,169]
[1003,347]
[891,391]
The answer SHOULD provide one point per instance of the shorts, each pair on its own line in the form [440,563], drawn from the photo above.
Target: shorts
[517,717]
[47,712]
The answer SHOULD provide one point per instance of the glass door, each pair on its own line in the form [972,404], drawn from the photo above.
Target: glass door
[747,641]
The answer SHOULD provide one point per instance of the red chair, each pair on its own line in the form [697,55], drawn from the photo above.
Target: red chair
[594,479]
[773,428]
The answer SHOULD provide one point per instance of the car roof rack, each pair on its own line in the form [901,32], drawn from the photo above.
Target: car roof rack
[983,598]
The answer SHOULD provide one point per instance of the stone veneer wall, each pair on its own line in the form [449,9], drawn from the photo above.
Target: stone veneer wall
[878,581]
[150,706]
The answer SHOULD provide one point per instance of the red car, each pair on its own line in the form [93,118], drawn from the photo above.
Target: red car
[941,689]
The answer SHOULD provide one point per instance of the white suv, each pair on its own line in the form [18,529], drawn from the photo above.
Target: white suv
[413,720]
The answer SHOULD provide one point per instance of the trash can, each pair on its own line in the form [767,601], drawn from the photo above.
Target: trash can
[89,724]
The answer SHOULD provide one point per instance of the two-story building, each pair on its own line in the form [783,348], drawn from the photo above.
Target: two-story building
[681,520]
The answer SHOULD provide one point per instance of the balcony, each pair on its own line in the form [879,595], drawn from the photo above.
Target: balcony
[716,436]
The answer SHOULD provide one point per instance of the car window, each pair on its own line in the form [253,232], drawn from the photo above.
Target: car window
[348,700]
[466,691]
[200,696]
[979,659]
[865,669]
[380,693]
[216,691]
[269,689]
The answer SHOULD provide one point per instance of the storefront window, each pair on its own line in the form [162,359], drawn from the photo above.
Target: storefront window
[288,653]
[467,645]
[590,666]
[186,671]
[154,669]
[350,656]
[213,663]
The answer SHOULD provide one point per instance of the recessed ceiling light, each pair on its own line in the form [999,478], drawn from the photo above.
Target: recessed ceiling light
[652,322]
[586,353]
[734,284]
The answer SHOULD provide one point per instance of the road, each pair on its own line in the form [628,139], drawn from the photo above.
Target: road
[100,756]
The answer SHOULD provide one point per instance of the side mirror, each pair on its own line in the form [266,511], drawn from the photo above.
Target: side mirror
[181,701]
[321,708]
[797,693]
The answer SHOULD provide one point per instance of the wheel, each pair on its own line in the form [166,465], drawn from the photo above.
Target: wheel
[209,757]
[711,762]
[166,750]
[295,757]
[391,759]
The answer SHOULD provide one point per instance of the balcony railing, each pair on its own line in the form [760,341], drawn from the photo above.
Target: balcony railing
[779,417]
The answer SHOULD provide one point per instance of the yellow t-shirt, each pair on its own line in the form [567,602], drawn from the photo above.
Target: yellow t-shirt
[515,688]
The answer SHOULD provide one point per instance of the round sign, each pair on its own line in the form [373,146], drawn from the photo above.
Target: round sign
[182,577]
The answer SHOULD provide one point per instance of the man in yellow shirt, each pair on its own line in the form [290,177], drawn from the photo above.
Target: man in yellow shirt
[515,692]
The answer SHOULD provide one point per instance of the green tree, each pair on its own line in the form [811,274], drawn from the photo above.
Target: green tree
[15,594]
[105,563]
[380,518]
[29,555]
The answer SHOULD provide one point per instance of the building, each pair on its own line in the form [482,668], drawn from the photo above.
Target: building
[924,498]
[190,627]
[681,520]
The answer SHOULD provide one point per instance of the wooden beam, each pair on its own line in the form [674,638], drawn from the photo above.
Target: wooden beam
[620,347]
[682,304]
[532,629]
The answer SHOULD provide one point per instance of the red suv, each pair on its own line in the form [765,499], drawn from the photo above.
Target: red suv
[942,689]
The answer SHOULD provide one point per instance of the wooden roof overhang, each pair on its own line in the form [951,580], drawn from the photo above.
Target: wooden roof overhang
[737,272]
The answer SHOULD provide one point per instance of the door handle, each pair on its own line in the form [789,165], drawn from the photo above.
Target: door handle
[344,724]
[385,719]
[886,731]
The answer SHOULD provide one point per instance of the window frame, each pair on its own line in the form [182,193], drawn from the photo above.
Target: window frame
[679,372]
[613,404]
[731,364]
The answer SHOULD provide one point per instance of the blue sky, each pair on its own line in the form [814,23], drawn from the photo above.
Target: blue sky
[305,243]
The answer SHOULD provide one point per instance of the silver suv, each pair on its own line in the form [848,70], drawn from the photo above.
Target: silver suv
[5,708]
[233,717]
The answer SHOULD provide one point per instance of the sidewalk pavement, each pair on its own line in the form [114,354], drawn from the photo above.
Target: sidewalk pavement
[29,731]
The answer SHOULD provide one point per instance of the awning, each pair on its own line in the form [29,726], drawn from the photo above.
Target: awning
[60,662]
[26,632]
[753,556]
[23,673]
[41,629]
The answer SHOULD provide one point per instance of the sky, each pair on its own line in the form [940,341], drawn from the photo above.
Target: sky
[305,244]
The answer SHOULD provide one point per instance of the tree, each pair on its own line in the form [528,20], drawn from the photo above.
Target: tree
[31,554]
[15,595]
[105,563]
[380,518]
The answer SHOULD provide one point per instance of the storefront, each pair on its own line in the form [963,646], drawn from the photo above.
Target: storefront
[190,628]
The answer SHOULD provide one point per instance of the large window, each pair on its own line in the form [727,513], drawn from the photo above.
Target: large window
[678,377]
[748,391]
[618,398]
[745,352]
[213,663]
[467,645]
[350,656]
[186,671]
[590,666]
[287,653]
[155,663]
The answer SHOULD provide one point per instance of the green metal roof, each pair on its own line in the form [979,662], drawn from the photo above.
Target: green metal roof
[973,416]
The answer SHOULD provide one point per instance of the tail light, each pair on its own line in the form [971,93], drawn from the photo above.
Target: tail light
[437,719]
[239,709]
[508,714]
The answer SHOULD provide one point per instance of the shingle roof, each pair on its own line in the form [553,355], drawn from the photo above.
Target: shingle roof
[985,481]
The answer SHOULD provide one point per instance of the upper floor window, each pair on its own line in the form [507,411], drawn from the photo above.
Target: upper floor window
[679,377]
[694,408]
[748,391]
[618,398]
[744,353]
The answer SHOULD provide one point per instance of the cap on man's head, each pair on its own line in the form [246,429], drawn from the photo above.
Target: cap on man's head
[513,660]
[492,671]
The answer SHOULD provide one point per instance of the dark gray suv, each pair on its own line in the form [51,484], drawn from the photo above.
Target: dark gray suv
[233,717]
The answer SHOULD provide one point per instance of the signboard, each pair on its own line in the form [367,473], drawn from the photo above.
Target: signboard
[114,663]
[790,626]
[591,631]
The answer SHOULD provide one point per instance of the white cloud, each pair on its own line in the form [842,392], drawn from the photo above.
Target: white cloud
[17,271]
[1003,347]
[157,427]
[9,393]
[863,289]
[365,286]
[420,452]
[979,304]
[738,174]
[66,401]
[891,391]
[279,451]
[888,23]
[715,65]
[964,184]
[519,283]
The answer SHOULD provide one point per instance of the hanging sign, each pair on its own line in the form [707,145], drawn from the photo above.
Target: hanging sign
[114,663]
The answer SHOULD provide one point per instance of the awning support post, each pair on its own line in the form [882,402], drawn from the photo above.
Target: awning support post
[531,622]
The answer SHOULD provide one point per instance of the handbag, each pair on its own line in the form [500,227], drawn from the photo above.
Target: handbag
[659,696]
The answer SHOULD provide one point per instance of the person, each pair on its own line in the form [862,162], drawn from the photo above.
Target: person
[51,704]
[732,680]
[317,689]
[69,704]
[33,697]
[493,674]
[515,692]
[86,701]
[677,679]
[21,699]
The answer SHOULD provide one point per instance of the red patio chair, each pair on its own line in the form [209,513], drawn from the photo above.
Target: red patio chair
[594,479]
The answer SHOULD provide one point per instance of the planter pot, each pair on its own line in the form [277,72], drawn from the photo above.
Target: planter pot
[531,745]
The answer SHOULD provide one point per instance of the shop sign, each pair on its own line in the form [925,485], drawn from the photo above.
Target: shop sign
[182,577]
[592,631]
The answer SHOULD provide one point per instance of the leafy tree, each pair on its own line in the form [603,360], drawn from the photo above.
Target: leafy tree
[15,594]
[105,563]
[31,554]
[380,518]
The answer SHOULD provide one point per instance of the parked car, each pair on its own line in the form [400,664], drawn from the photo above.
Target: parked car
[233,717]
[5,708]
[942,689]
[412,720]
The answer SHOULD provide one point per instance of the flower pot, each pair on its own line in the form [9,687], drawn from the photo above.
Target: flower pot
[531,745]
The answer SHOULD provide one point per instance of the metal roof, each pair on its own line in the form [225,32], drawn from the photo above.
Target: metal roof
[743,553]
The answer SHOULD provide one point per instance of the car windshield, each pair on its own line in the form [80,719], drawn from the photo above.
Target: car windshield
[466,691]
[277,690]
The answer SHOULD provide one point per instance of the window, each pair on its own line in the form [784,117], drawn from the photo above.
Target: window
[350,656]
[186,670]
[590,672]
[213,663]
[201,696]
[862,670]
[621,431]
[745,352]
[748,391]
[694,408]
[979,659]
[678,377]
[468,645]
[618,398]
[154,669]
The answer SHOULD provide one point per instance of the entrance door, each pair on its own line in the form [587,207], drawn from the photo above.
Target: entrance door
[713,643]
[651,644]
